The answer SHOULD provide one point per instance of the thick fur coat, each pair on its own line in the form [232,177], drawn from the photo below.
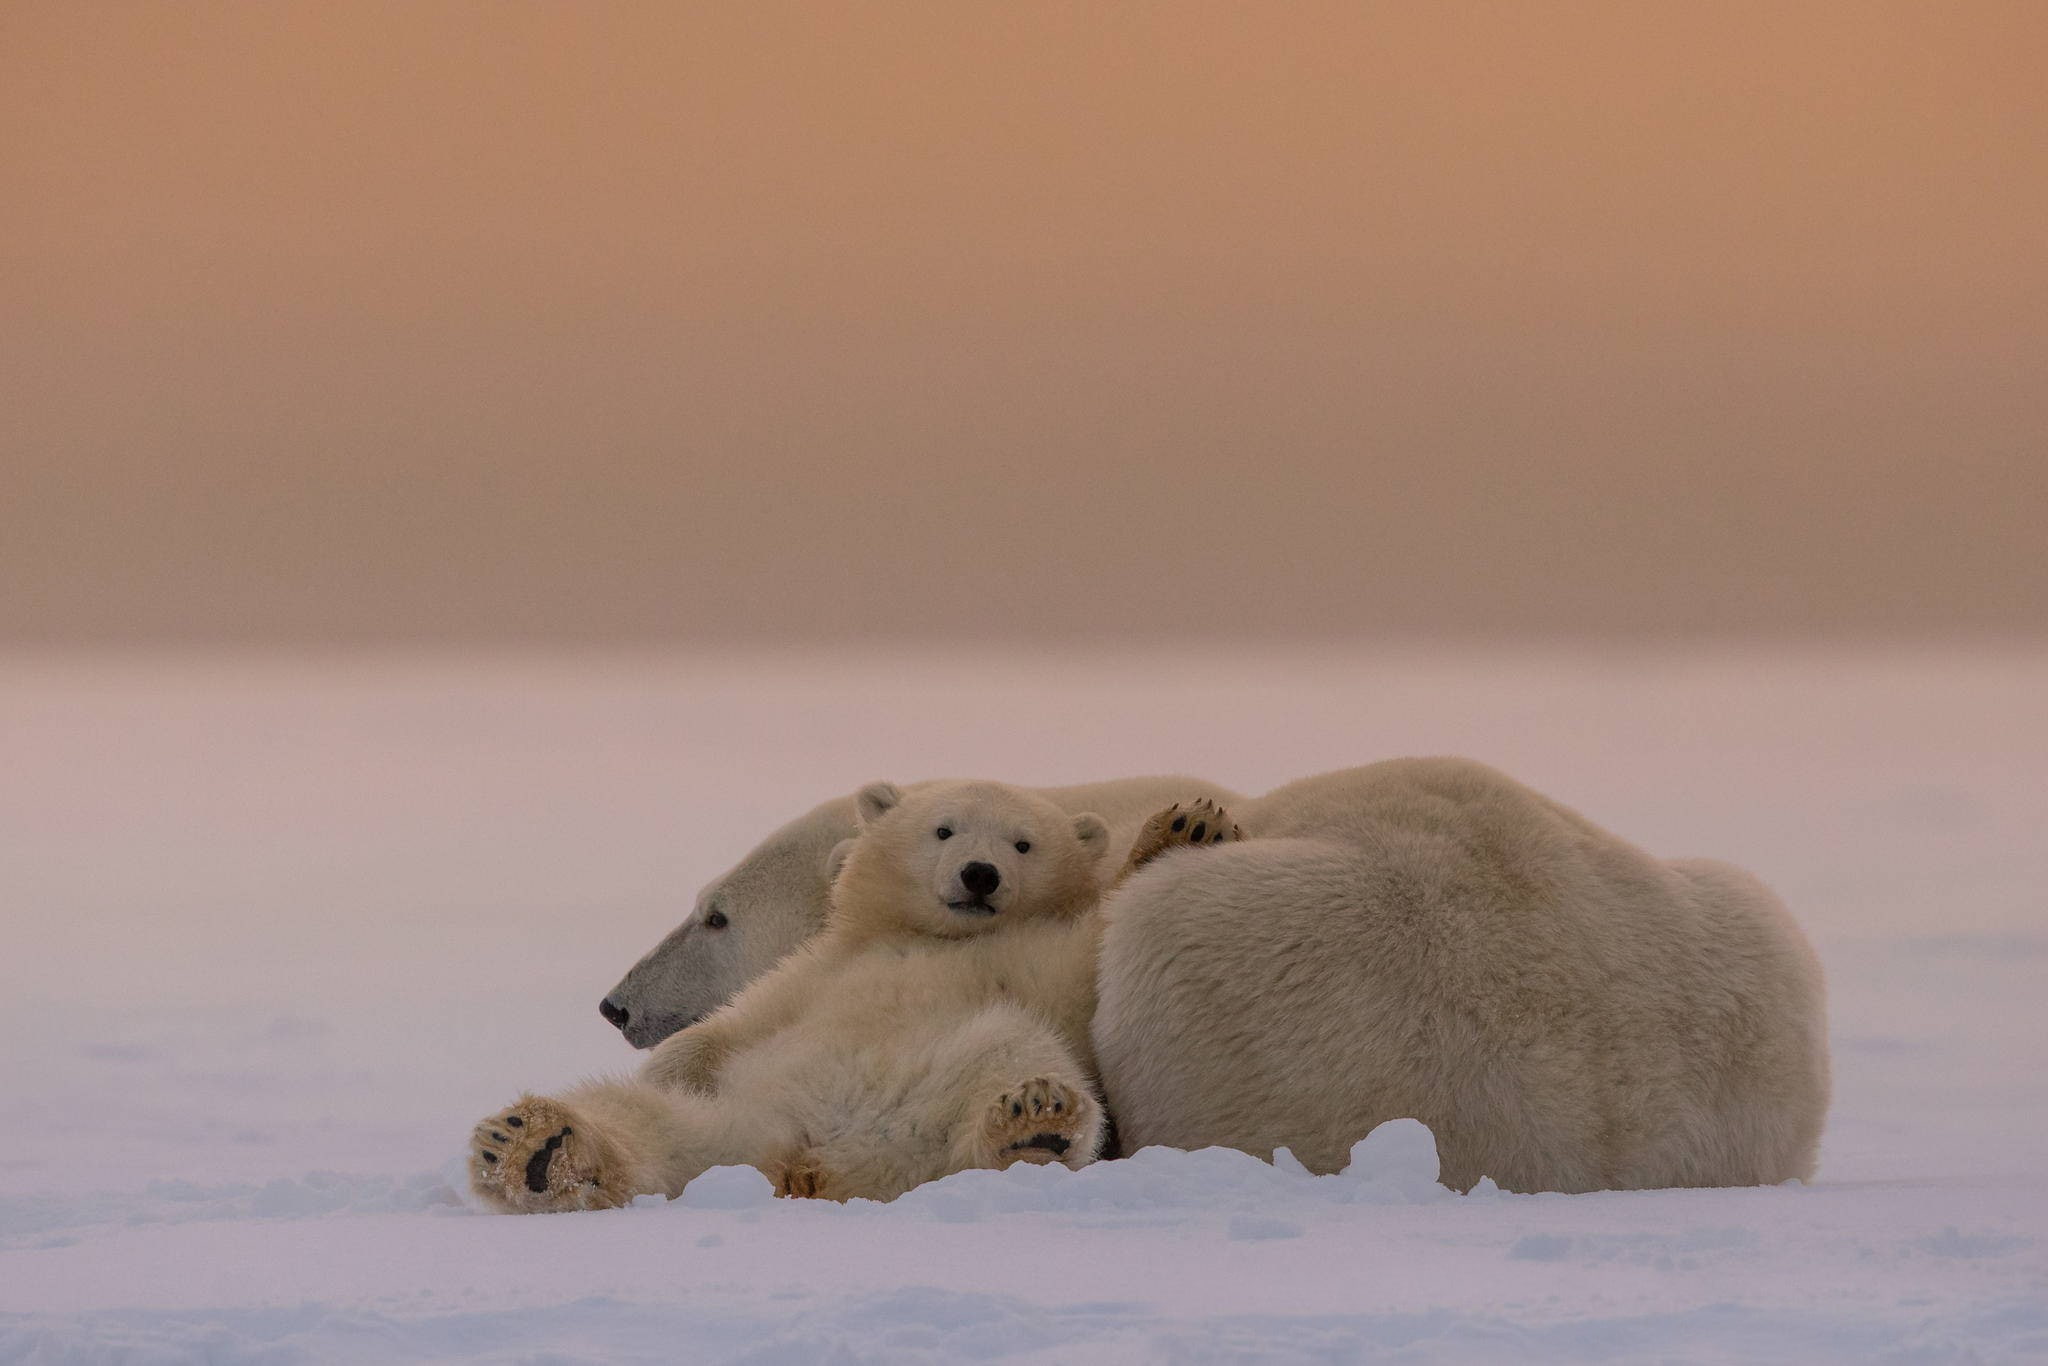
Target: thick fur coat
[940,1022]
[747,919]
[1418,938]
[1427,938]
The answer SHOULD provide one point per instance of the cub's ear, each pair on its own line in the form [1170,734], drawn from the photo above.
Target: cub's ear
[875,801]
[836,860]
[1093,832]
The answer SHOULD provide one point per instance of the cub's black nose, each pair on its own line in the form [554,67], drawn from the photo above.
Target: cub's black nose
[980,878]
[618,1015]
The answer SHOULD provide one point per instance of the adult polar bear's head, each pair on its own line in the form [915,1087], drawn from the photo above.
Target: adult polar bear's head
[743,923]
[955,859]
[749,917]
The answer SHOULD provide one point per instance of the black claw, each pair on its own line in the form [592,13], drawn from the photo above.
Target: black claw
[515,1121]
[500,1137]
[488,1156]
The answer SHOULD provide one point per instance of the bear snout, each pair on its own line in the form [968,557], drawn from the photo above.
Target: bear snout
[980,879]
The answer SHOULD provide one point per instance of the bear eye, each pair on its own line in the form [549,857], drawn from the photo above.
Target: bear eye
[716,920]
[1023,846]
[944,832]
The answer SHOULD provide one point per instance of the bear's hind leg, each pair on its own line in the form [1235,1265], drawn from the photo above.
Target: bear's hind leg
[996,1088]
[1021,1095]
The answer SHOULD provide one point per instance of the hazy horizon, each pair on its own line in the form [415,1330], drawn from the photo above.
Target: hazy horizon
[380,323]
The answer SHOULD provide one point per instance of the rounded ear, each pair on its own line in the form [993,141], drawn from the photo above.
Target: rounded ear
[875,801]
[836,860]
[1093,832]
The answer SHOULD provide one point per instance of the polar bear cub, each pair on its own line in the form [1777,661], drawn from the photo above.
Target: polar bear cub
[940,1022]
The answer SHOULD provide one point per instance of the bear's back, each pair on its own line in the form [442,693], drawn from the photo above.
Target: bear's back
[1429,938]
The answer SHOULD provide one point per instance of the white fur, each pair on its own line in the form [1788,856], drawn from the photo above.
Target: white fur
[1420,938]
[774,899]
[925,1031]
[1427,938]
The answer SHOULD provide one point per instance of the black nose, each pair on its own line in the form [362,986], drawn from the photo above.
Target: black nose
[616,1014]
[980,878]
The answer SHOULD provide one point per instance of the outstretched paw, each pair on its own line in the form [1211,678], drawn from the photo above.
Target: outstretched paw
[537,1157]
[1042,1121]
[1182,824]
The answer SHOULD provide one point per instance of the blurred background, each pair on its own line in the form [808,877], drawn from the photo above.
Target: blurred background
[563,324]
[469,470]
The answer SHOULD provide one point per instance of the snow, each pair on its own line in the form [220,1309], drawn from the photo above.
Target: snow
[277,931]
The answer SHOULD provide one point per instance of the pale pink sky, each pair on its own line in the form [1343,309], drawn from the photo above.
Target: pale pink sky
[573,322]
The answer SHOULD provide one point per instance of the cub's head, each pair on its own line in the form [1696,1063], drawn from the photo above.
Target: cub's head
[954,859]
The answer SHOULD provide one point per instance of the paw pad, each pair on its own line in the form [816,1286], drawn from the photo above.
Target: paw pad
[512,1166]
[1041,1121]
[1198,823]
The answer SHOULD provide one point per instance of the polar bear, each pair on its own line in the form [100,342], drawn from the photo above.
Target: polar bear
[747,919]
[939,1022]
[1428,938]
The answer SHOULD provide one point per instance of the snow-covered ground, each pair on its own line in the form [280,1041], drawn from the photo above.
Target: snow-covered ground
[277,932]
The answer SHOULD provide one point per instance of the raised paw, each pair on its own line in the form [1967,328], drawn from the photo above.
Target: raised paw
[1042,1121]
[1200,822]
[538,1158]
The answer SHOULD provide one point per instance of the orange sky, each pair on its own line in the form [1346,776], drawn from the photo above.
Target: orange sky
[398,320]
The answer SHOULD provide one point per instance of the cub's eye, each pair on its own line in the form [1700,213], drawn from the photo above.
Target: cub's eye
[716,920]
[944,832]
[1023,846]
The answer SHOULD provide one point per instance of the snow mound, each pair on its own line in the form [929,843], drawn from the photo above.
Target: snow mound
[1396,1164]
[727,1188]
